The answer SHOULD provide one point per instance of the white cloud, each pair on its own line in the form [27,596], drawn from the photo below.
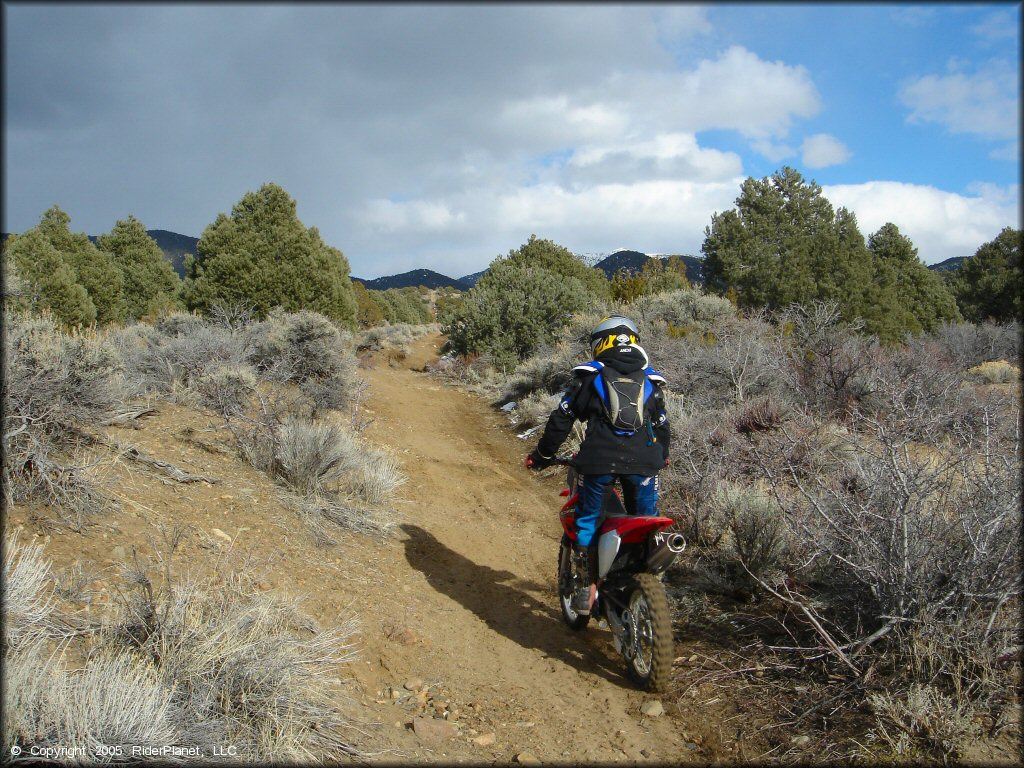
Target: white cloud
[774,151]
[940,224]
[822,150]
[742,92]
[998,26]
[985,103]
[385,216]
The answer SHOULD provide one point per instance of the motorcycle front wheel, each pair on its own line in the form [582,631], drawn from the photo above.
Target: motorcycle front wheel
[649,648]
[568,579]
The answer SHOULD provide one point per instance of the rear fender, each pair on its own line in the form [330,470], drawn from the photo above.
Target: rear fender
[633,529]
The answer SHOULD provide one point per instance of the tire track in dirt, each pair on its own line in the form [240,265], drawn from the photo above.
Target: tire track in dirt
[475,562]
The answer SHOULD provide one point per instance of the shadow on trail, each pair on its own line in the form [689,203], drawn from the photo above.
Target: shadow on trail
[499,599]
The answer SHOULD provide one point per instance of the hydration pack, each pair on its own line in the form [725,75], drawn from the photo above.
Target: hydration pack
[624,395]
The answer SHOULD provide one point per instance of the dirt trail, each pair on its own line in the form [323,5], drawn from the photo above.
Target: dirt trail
[475,577]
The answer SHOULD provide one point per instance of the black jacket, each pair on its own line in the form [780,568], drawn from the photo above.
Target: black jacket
[603,450]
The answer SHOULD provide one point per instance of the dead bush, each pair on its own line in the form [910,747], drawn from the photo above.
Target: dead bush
[969,345]
[399,335]
[758,537]
[227,389]
[189,662]
[337,477]
[922,723]
[761,415]
[680,308]
[114,702]
[28,603]
[177,357]
[57,389]
[995,372]
[177,324]
[305,349]
[548,371]
[830,367]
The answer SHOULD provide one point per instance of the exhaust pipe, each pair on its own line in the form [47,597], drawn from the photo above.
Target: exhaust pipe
[663,550]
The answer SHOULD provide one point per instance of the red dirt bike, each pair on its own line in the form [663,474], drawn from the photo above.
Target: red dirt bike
[633,552]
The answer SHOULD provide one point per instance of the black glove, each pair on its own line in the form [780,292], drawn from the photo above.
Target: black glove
[536,461]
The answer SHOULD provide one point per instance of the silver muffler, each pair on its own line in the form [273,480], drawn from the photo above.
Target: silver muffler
[607,548]
[664,549]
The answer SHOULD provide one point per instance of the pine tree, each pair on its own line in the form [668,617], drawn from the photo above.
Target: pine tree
[783,244]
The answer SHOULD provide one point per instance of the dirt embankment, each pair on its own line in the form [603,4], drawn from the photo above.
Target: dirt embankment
[463,655]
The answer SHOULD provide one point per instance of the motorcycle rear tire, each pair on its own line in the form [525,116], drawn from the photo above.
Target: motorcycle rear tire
[566,567]
[650,634]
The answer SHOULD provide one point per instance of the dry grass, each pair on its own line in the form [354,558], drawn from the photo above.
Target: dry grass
[198,663]
[995,372]
[28,601]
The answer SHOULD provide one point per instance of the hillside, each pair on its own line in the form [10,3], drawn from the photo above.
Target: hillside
[175,247]
[426,278]
[949,265]
[633,261]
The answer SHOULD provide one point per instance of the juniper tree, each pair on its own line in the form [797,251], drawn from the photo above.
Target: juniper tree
[46,281]
[149,279]
[989,285]
[264,257]
[514,309]
[921,299]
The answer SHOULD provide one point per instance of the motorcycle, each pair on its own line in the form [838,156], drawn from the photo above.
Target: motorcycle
[633,553]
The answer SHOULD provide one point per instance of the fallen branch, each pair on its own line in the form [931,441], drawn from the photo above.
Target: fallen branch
[175,473]
[822,632]
[128,416]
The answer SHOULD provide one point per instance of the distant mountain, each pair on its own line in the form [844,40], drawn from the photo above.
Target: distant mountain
[471,280]
[633,262]
[630,261]
[417,277]
[175,247]
[951,264]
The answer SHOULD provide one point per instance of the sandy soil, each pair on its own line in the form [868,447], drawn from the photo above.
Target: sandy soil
[463,654]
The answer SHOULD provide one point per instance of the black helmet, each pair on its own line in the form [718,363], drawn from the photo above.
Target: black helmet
[613,331]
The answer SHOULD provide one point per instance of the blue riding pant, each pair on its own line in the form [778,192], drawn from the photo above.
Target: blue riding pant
[640,495]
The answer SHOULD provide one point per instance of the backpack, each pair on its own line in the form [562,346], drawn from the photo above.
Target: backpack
[624,395]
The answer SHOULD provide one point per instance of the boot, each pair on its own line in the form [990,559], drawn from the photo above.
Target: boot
[581,597]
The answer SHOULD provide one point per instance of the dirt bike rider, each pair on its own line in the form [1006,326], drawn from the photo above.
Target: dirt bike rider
[621,400]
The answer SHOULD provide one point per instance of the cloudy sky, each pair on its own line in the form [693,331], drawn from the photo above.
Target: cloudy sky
[420,136]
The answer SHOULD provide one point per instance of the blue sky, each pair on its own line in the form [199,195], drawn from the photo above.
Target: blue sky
[416,136]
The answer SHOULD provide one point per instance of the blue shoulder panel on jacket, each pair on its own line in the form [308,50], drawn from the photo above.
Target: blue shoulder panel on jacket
[592,367]
[653,375]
